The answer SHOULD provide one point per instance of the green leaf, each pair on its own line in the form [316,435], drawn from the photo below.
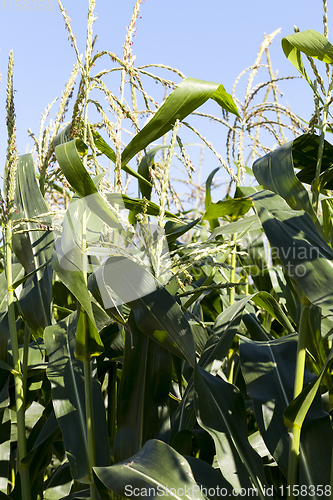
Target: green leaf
[33,248]
[311,43]
[298,245]
[233,208]
[209,478]
[138,206]
[275,172]
[4,448]
[143,169]
[62,136]
[299,407]
[225,329]
[69,159]
[143,410]
[208,197]
[174,230]
[66,376]
[89,342]
[268,302]
[157,468]
[227,324]
[59,484]
[19,282]
[220,410]
[269,371]
[304,157]
[250,222]
[186,98]
[17,270]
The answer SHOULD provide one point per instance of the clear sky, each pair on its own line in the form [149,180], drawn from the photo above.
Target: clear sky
[210,40]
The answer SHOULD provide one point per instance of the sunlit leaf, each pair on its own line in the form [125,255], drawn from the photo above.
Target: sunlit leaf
[186,98]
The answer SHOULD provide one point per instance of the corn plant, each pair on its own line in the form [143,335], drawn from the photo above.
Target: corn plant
[188,358]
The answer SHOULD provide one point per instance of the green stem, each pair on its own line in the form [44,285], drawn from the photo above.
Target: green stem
[25,358]
[112,403]
[233,272]
[90,423]
[18,376]
[316,185]
[298,387]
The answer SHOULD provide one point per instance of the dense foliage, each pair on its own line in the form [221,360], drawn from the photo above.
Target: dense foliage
[190,355]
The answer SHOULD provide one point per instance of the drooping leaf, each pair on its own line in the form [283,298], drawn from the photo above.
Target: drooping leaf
[275,172]
[210,479]
[174,230]
[62,136]
[214,223]
[225,329]
[227,324]
[33,248]
[69,159]
[248,223]
[187,97]
[296,242]
[304,157]
[156,313]
[311,43]
[157,468]
[65,265]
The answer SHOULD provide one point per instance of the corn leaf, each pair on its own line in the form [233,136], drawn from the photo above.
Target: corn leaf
[301,249]
[143,409]
[69,159]
[186,98]
[65,374]
[156,467]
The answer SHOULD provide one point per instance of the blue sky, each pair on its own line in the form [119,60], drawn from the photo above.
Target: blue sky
[211,40]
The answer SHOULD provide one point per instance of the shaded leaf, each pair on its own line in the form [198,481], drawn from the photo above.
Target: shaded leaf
[221,411]
[275,172]
[156,313]
[66,376]
[142,411]
[269,371]
[301,249]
